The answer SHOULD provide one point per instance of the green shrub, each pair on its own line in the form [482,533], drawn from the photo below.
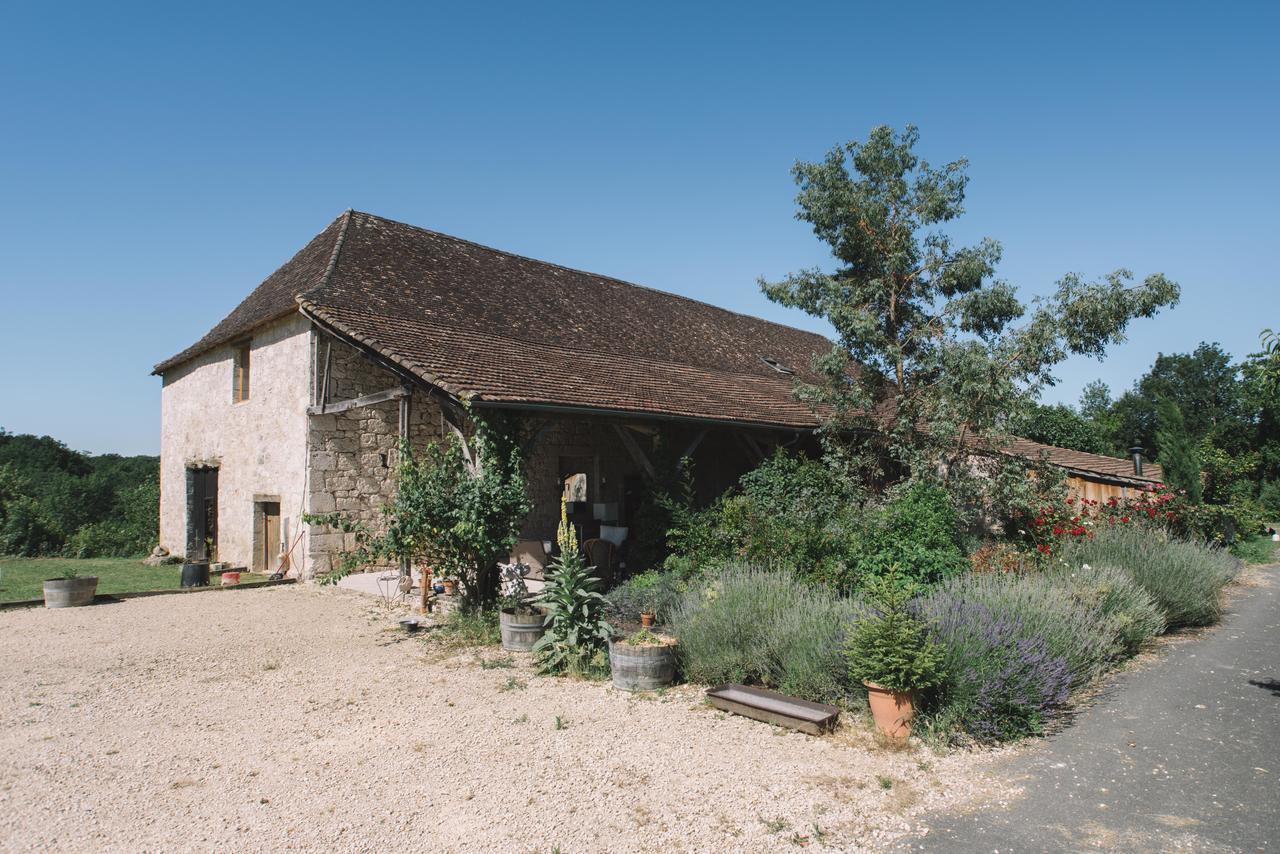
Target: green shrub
[1185,578]
[1133,612]
[916,529]
[805,648]
[891,647]
[797,512]
[27,530]
[764,627]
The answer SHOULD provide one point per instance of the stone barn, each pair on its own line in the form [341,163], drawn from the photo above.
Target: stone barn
[295,403]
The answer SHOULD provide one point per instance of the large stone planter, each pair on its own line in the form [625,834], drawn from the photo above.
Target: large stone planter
[70,592]
[642,667]
[520,631]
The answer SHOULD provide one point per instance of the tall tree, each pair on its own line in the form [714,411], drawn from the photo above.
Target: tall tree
[1178,455]
[932,353]
[1204,385]
[1060,425]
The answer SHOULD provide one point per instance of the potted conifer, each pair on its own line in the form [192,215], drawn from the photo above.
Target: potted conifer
[891,652]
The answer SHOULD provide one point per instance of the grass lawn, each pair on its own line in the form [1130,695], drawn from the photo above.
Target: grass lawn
[1257,549]
[23,577]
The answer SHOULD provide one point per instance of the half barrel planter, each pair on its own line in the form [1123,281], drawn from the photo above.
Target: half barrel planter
[520,631]
[647,667]
[70,592]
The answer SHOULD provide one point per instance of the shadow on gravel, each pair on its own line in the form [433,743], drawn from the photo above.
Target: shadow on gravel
[1271,685]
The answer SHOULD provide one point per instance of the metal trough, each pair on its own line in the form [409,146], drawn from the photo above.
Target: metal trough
[774,708]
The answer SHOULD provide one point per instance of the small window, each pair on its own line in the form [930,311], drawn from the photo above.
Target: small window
[240,374]
[776,365]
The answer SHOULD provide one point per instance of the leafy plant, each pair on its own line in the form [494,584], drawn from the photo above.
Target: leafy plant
[891,647]
[514,595]
[457,513]
[644,637]
[576,632]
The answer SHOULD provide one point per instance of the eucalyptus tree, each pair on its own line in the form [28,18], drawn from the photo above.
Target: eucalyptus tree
[932,351]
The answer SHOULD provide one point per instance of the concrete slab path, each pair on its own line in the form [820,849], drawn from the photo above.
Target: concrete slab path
[1179,754]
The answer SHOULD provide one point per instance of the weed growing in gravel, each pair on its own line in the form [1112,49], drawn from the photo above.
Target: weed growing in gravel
[523,719]
[513,684]
[818,834]
[271,665]
[561,723]
[885,782]
[497,663]
[776,825]
[460,630]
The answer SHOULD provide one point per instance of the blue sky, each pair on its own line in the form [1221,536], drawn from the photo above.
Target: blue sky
[156,162]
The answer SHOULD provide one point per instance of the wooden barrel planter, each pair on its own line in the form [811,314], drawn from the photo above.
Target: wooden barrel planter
[520,631]
[642,667]
[70,592]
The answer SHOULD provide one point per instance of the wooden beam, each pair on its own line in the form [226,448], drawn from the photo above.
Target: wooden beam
[753,448]
[693,446]
[367,400]
[468,455]
[637,453]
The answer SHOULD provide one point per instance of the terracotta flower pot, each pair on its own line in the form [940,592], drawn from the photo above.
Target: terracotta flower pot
[647,620]
[892,710]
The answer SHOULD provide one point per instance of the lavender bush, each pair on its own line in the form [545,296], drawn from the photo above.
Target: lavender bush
[1002,680]
[1185,578]
[1075,629]
[764,627]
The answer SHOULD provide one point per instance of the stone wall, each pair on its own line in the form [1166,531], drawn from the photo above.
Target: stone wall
[561,442]
[259,445]
[353,454]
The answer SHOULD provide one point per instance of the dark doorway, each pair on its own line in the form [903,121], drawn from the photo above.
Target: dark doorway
[202,513]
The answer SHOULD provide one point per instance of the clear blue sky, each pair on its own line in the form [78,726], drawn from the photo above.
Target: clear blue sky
[157,162]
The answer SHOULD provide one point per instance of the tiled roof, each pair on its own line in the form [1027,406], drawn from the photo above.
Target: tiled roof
[1114,468]
[488,325]
[491,326]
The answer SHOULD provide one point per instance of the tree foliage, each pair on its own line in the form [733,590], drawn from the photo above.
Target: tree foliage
[1178,456]
[456,512]
[932,351]
[54,500]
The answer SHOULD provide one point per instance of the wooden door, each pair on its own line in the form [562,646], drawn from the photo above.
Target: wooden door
[270,552]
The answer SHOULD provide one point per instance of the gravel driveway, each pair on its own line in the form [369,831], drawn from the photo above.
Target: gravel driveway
[295,717]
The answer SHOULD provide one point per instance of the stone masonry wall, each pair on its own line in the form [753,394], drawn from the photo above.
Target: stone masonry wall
[353,454]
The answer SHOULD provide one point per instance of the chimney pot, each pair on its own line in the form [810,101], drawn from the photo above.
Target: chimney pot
[1136,453]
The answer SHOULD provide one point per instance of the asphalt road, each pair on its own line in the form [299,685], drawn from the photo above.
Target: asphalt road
[1179,754]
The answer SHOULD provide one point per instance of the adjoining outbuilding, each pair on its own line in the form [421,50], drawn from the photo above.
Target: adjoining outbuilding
[378,331]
